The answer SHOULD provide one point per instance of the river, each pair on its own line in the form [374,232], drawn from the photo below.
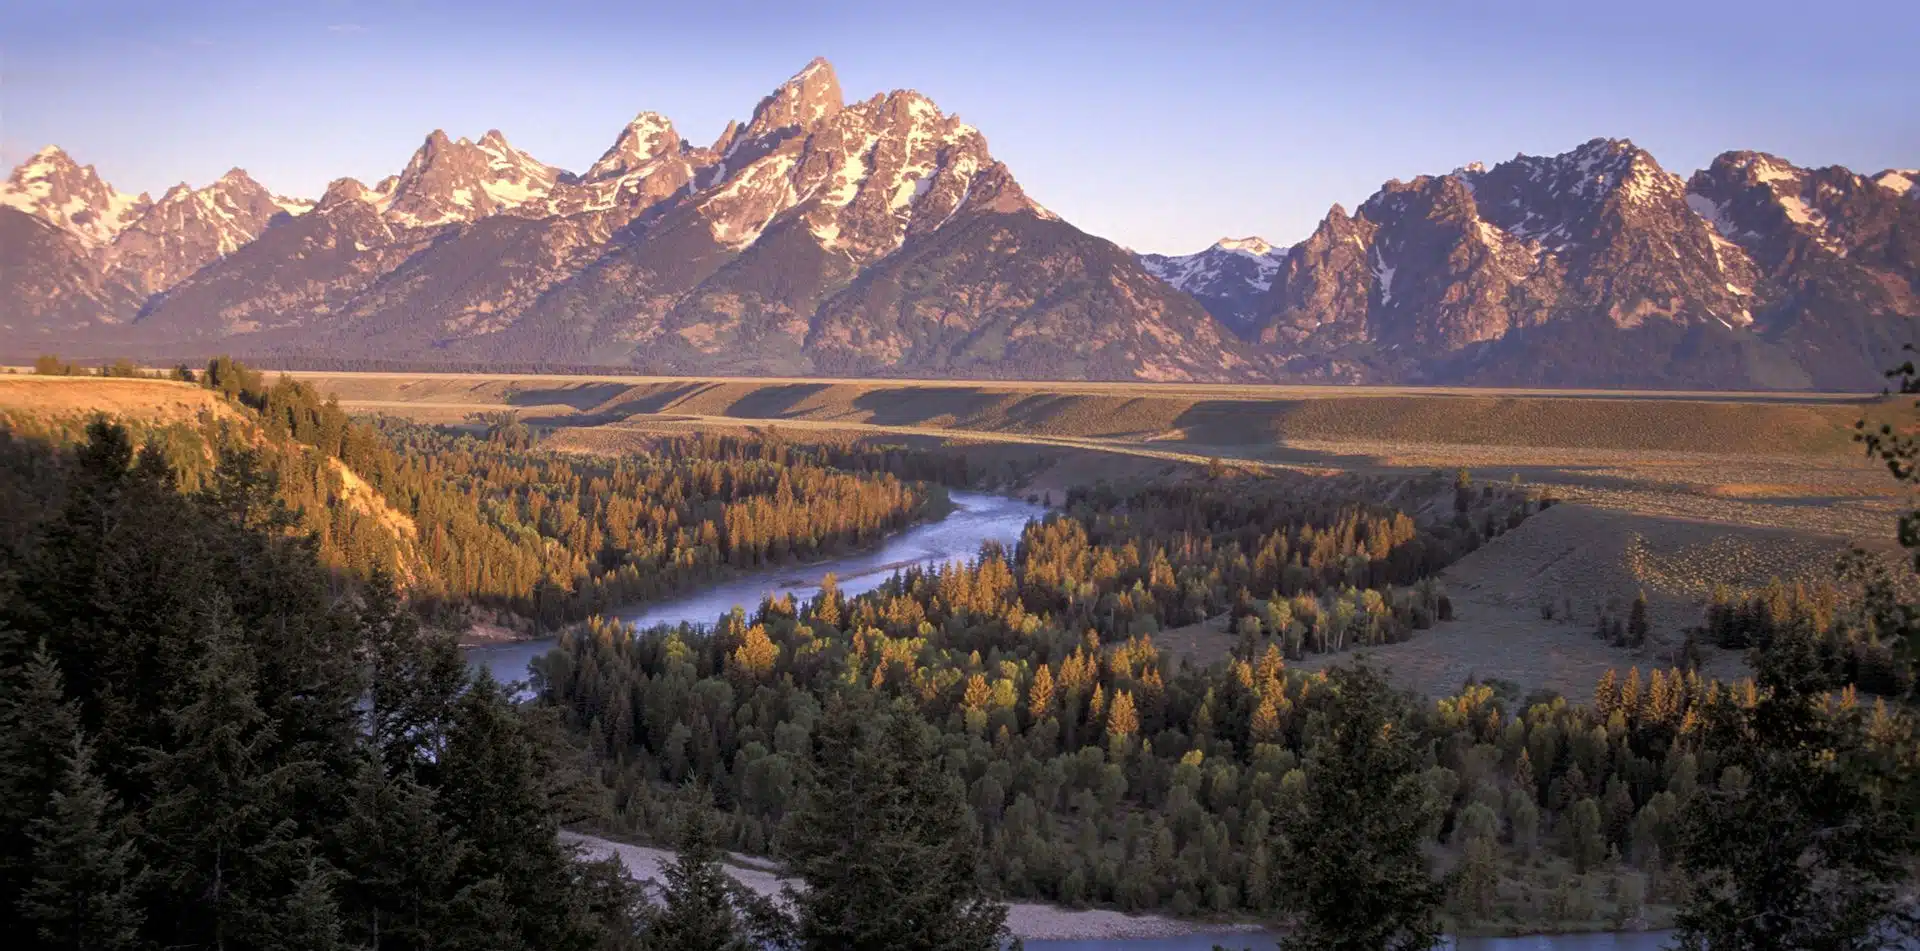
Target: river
[1260,941]
[976,518]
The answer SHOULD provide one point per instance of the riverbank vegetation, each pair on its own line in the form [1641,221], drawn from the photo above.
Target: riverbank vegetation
[1103,771]
[478,516]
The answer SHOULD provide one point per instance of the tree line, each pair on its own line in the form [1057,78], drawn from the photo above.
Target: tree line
[481,516]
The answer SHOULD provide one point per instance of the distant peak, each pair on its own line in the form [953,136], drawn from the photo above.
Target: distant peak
[1257,246]
[648,136]
[50,152]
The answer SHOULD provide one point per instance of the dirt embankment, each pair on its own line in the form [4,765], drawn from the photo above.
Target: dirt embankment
[1027,921]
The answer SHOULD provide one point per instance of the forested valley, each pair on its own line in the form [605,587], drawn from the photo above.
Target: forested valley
[477,515]
[1101,770]
[234,714]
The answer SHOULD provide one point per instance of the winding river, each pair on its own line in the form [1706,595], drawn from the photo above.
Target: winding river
[1260,941]
[976,518]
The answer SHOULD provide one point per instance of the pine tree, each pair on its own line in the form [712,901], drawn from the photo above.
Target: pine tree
[400,862]
[885,844]
[82,895]
[698,912]
[38,726]
[1040,694]
[1637,626]
[309,918]
[495,799]
[1803,851]
[1357,878]
[414,678]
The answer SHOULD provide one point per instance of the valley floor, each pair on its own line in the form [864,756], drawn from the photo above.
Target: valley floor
[1666,493]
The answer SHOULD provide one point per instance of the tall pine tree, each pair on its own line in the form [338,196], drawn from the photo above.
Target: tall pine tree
[1356,876]
[886,845]
[82,895]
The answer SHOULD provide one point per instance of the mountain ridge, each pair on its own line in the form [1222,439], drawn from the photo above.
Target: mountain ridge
[880,236]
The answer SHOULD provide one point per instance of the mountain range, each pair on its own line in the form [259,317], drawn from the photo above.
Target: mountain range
[882,238]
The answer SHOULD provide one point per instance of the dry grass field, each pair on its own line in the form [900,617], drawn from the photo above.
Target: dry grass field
[157,400]
[1764,459]
[1665,492]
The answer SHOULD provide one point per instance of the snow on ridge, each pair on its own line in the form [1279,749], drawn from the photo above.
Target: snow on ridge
[1383,273]
[1710,211]
[1202,269]
[1897,180]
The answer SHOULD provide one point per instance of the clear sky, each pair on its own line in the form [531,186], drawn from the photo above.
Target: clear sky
[1162,126]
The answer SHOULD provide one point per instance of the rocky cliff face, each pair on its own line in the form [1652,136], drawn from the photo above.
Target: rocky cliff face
[1592,267]
[1834,259]
[882,237]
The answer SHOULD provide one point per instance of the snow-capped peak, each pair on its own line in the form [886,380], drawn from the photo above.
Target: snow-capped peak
[801,102]
[461,180]
[649,136]
[1254,247]
[50,185]
[1251,261]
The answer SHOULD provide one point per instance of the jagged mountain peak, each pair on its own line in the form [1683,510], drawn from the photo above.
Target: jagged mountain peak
[1756,168]
[53,187]
[1252,245]
[863,179]
[341,191]
[1230,278]
[456,180]
[649,136]
[810,96]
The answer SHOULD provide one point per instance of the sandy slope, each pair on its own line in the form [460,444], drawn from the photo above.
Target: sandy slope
[1026,921]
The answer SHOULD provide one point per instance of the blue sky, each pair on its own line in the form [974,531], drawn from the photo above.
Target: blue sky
[1160,125]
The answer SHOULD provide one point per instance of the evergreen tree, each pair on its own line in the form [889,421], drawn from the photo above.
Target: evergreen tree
[82,893]
[493,790]
[38,727]
[1799,845]
[400,862]
[309,918]
[698,912]
[224,853]
[1637,626]
[885,844]
[1357,879]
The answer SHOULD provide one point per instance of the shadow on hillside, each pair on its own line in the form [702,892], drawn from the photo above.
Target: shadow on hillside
[774,402]
[914,406]
[580,396]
